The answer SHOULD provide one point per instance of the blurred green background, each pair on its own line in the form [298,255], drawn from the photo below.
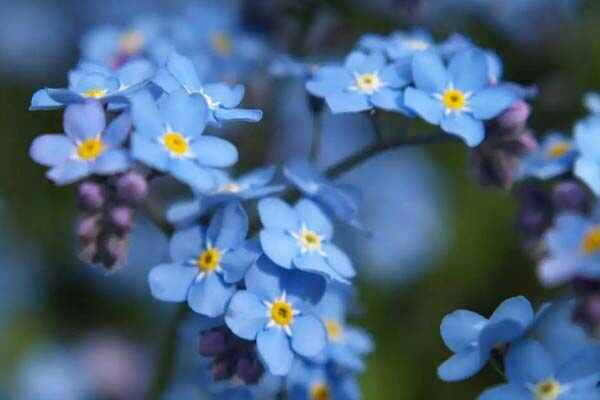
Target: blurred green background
[484,263]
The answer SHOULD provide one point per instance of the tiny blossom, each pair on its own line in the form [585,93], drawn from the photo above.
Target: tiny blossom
[587,165]
[316,381]
[555,156]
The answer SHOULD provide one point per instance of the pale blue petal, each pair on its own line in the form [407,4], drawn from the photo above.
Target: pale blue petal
[184,71]
[264,279]
[210,295]
[146,117]
[135,72]
[149,152]
[117,131]
[187,171]
[314,262]
[491,102]
[469,70]
[65,96]
[185,114]
[556,271]
[246,315]
[304,287]
[212,151]
[276,213]
[424,105]
[69,172]
[588,170]
[51,150]
[388,99]
[324,88]
[274,349]
[583,366]
[279,246]
[314,218]
[348,102]
[42,101]
[85,120]
[112,161]
[460,366]
[238,114]
[184,211]
[506,392]
[227,96]
[429,73]
[228,227]
[339,261]
[465,126]
[517,309]
[171,282]
[309,337]
[528,362]
[236,263]
[186,244]
[460,329]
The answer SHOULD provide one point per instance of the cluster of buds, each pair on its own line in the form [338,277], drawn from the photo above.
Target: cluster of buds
[231,356]
[107,210]
[587,311]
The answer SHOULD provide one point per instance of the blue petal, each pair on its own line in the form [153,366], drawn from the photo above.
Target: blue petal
[587,132]
[42,101]
[506,392]
[460,329]
[185,114]
[212,151]
[469,70]
[264,279]
[422,103]
[581,367]
[490,102]
[303,287]
[85,120]
[235,263]
[588,171]
[135,72]
[184,212]
[358,340]
[246,315]
[69,172]
[555,271]
[186,244]
[460,366]
[51,150]
[388,99]
[65,96]
[210,295]
[112,161]
[228,97]
[146,117]
[228,227]
[314,218]
[314,262]
[188,172]
[184,71]
[324,88]
[497,334]
[149,152]
[279,246]
[348,102]
[527,362]
[339,261]
[258,177]
[117,131]
[276,213]
[397,75]
[274,349]
[465,126]
[238,114]
[309,337]
[429,73]
[364,63]
[517,309]
[171,282]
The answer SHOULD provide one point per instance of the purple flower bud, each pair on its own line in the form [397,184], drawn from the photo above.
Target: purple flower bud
[112,250]
[132,187]
[87,228]
[515,117]
[570,196]
[89,253]
[213,343]
[587,314]
[249,369]
[121,219]
[535,212]
[90,196]
[223,367]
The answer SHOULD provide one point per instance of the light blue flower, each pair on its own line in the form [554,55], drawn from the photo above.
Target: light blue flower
[592,102]
[252,185]
[472,337]
[87,147]
[555,156]
[273,310]
[222,100]
[300,237]
[399,45]
[458,97]
[532,374]
[572,248]
[342,201]
[206,265]
[168,138]
[315,382]
[92,81]
[587,141]
[363,82]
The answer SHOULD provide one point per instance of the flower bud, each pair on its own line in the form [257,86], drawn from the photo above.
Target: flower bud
[112,250]
[570,196]
[515,117]
[223,367]
[87,228]
[132,187]
[213,342]
[249,368]
[90,196]
[121,219]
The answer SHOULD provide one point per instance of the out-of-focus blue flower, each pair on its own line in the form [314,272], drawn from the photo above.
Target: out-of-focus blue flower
[168,138]
[573,249]
[87,147]
[300,237]
[92,81]
[318,382]
[472,337]
[363,82]
[555,156]
[458,97]
[206,265]
[592,102]
[342,201]
[532,374]
[252,185]
[398,45]
[222,100]
[273,311]
[285,66]
[587,141]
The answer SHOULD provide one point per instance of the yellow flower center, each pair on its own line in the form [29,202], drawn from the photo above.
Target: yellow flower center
[131,42]
[454,99]
[94,93]
[334,330]
[591,241]
[90,149]
[282,313]
[368,83]
[309,240]
[222,43]
[209,260]
[176,143]
[320,391]
[547,390]
[559,150]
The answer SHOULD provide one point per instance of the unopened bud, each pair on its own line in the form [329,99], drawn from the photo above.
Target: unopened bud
[515,117]
[121,219]
[90,196]
[249,369]
[213,343]
[570,196]
[132,187]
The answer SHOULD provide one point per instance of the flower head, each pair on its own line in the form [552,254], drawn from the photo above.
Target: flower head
[587,165]
[555,156]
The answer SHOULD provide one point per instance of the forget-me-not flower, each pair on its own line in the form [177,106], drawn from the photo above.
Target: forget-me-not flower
[168,137]
[458,97]
[273,310]
[206,265]
[587,141]
[300,237]
[555,156]
[472,337]
[87,147]
[321,382]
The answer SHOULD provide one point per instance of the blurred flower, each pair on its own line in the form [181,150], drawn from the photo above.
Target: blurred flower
[555,156]
[313,381]
[398,45]
[587,140]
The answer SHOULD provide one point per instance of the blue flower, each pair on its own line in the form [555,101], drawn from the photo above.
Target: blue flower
[91,81]
[573,249]
[592,102]
[300,237]
[317,382]
[206,265]
[472,337]
[399,45]
[222,100]
[252,185]
[554,157]
[273,311]
[168,138]
[342,201]
[87,147]
[532,374]
[458,98]
[587,165]
[363,82]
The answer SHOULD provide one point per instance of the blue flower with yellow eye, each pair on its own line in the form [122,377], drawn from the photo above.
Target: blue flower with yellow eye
[587,142]
[309,381]
[364,81]
[206,265]
[252,185]
[222,100]
[300,237]
[88,146]
[274,311]
[168,137]
[533,374]
[472,337]
[458,97]
[96,82]
[555,156]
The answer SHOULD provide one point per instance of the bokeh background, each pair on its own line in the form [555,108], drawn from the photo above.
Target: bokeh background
[444,241]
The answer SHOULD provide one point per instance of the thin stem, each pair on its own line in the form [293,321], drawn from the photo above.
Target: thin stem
[315,147]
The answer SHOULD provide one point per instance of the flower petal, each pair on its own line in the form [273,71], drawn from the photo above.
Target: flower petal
[228,227]
[212,151]
[470,129]
[186,244]
[274,349]
[171,282]
[339,261]
[69,172]
[314,218]
[210,295]
[460,329]
[528,362]
[276,213]
[424,105]
[309,337]
[85,120]
[112,161]
[51,150]
[468,70]
[347,102]
[279,246]
[188,172]
[460,366]
[429,73]
[490,102]
[246,315]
